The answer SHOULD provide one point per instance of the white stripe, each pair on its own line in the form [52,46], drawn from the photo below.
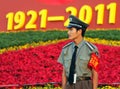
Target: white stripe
[76,25]
[89,45]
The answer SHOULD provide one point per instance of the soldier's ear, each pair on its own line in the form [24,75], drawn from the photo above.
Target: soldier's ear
[79,30]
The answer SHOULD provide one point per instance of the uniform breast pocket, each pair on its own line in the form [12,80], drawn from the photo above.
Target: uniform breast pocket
[67,62]
[83,61]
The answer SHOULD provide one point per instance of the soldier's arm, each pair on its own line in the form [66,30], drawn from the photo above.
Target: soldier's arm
[94,78]
[64,79]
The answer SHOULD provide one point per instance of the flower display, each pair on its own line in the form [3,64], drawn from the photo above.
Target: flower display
[41,43]
[109,71]
[39,65]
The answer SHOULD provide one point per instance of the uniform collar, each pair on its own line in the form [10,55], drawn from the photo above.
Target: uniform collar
[80,44]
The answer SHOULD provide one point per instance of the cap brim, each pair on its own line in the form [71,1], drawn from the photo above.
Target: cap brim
[69,26]
[74,25]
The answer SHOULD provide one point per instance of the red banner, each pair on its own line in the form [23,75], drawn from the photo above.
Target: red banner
[45,14]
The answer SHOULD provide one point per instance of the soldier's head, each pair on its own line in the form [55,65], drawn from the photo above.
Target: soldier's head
[77,25]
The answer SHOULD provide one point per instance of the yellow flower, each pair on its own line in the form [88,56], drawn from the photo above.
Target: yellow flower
[103,41]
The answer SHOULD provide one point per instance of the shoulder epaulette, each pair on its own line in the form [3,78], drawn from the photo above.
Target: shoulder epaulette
[90,45]
[92,48]
[67,45]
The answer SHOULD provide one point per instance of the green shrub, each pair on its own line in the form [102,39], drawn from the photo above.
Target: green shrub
[21,38]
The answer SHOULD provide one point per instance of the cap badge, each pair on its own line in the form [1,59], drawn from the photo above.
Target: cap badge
[70,19]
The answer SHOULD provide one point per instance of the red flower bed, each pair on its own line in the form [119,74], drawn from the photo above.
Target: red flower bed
[39,65]
[109,69]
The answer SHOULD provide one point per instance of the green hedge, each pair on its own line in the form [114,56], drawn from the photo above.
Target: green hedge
[21,38]
[104,34]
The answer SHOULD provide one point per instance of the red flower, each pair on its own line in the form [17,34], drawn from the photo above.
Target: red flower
[39,65]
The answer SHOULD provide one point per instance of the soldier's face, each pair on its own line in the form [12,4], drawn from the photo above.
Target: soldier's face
[73,33]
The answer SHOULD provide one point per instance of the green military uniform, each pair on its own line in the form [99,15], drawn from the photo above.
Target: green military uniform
[82,57]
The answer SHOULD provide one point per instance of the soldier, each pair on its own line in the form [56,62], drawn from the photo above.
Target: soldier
[79,58]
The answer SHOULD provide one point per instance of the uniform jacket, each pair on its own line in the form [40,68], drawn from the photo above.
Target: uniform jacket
[82,57]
